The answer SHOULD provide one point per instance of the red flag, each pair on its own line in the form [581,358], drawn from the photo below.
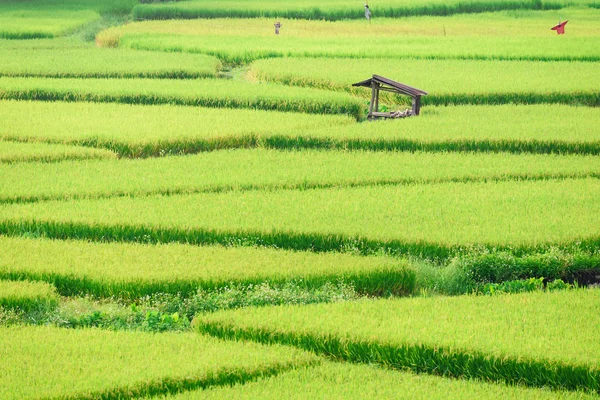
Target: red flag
[560,28]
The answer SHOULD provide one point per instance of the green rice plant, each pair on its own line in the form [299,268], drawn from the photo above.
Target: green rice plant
[447,81]
[27,296]
[328,10]
[215,93]
[350,381]
[106,63]
[14,152]
[264,169]
[525,339]
[144,131]
[427,220]
[131,271]
[482,36]
[45,362]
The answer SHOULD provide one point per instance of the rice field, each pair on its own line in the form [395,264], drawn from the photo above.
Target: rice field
[133,270]
[457,37]
[431,220]
[261,169]
[105,63]
[126,364]
[193,205]
[350,381]
[448,81]
[216,93]
[332,9]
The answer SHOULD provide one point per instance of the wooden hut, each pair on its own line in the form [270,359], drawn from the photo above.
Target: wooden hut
[379,83]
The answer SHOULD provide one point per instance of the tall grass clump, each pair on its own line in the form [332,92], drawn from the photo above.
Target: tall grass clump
[524,339]
[27,296]
[435,221]
[42,361]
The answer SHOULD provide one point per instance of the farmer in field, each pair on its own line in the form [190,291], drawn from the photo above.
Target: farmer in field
[277,26]
[367,13]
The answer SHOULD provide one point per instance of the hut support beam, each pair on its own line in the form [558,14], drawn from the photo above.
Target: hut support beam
[416,105]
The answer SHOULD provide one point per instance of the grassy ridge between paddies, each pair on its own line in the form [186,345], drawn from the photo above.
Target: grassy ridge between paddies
[41,362]
[27,296]
[133,270]
[215,93]
[527,339]
[330,9]
[262,169]
[430,220]
[143,131]
[350,381]
[105,63]
[447,81]
[481,37]
[15,152]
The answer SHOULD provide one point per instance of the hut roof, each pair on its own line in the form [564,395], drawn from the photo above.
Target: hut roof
[392,86]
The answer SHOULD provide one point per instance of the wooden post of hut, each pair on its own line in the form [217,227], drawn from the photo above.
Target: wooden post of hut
[379,83]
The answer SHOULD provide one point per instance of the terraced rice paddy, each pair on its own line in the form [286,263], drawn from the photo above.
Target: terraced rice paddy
[505,36]
[129,364]
[458,336]
[106,63]
[134,271]
[245,170]
[178,181]
[200,92]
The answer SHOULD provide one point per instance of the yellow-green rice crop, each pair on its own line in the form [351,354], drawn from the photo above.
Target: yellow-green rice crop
[25,296]
[269,169]
[102,63]
[433,220]
[30,23]
[132,271]
[44,362]
[465,37]
[142,131]
[331,9]
[197,92]
[350,381]
[14,152]
[526,339]
[447,81]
